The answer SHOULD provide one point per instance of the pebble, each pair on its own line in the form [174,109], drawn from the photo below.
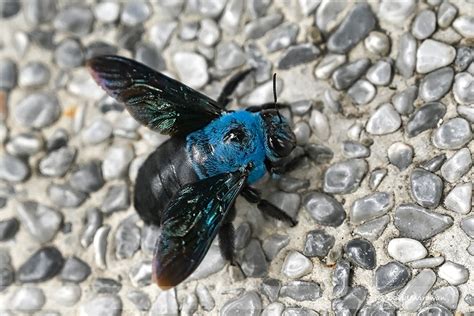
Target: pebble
[301,291]
[463,88]
[467,225]
[434,310]
[43,265]
[98,48]
[467,112]
[8,74]
[8,228]
[160,33]
[341,278]
[116,162]
[7,273]
[230,19]
[288,202]
[403,101]
[377,43]
[425,117]
[457,165]
[344,177]
[318,243]
[205,298]
[345,76]
[69,54]
[361,252]
[25,144]
[328,64]
[448,296]
[242,236]
[418,223]
[380,73]
[459,199]
[63,195]
[431,262]
[229,56]
[40,11]
[436,84]
[270,288]
[57,162]
[142,301]
[391,277]
[396,12]
[413,294]
[400,155]
[407,55]
[299,311]
[464,25]
[464,57]
[127,239]
[302,133]
[140,274]
[116,199]
[319,124]
[105,304]
[209,32]
[324,209]
[211,8]
[41,222]
[13,169]
[371,206]
[28,299]
[469,299]
[37,110]
[9,9]
[100,246]
[376,177]
[106,286]
[296,265]
[354,149]
[432,55]
[263,67]
[328,15]
[259,27]
[424,24]
[150,234]
[254,263]
[212,263]
[352,302]
[446,14]
[191,69]
[274,244]
[33,75]
[362,92]
[98,131]
[384,120]
[281,37]
[67,294]
[452,134]
[406,249]
[308,6]
[297,55]
[454,273]
[87,177]
[134,13]
[76,19]
[147,54]
[107,11]
[92,221]
[247,304]
[319,154]
[355,27]
[379,308]
[75,270]
[434,164]
[373,229]
[273,309]
[426,188]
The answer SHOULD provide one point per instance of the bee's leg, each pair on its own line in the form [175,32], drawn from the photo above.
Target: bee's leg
[252,195]
[226,237]
[266,106]
[286,164]
[230,86]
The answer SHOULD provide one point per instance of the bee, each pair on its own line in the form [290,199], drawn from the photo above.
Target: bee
[189,184]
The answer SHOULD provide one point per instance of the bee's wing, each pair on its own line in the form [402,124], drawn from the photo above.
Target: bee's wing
[190,224]
[153,99]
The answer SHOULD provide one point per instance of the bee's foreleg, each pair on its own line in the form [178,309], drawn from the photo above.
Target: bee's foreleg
[226,237]
[230,87]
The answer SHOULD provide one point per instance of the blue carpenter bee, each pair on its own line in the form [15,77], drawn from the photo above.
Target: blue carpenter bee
[189,184]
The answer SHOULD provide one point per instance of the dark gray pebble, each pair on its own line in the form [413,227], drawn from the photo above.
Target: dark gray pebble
[318,243]
[426,188]
[391,276]
[324,209]
[301,290]
[116,199]
[297,55]
[352,302]
[76,19]
[13,169]
[425,118]
[8,228]
[346,75]
[87,177]
[75,270]
[254,263]
[362,253]
[43,265]
[57,162]
[434,164]
[341,278]
[345,176]
[436,84]
[69,54]
[106,286]
[274,244]
[8,74]
[270,288]
[63,195]
[38,110]
[319,153]
[242,236]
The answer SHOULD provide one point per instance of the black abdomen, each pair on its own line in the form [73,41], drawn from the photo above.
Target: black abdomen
[163,173]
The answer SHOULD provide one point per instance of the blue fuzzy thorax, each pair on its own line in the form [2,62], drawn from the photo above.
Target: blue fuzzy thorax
[228,143]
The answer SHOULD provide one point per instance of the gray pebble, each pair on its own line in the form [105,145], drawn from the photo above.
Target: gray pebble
[432,55]
[28,299]
[362,92]
[106,286]
[469,299]
[418,223]
[134,13]
[319,124]
[140,300]
[67,294]
[98,131]
[302,133]
[69,54]
[257,8]
[301,107]
[403,101]
[8,74]
[150,234]
[379,308]
[467,225]
[464,88]
[457,165]
[371,206]
[38,110]
[384,120]
[147,54]
[324,209]
[296,265]
[377,43]
[87,177]
[8,228]
[464,25]
[433,164]
[464,57]
[318,243]
[242,236]
[98,48]
[189,31]
[361,252]
[191,68]
[100,244]
[92,221]
[319,154]
[391,276]
[24,144]
[344,76]
[297,55]
[426,188]
[355,27]
[344,177]
[434,310]
[424,24]
[13,169]
[354,149]
[396,12]
[341,278]
[446,14]
[229,55]
[116,162]
[212,263]
[425,117]
[281,37]
[205,297]
[57,162]
[467,112]
[406,59]
[140,274]
[400,155]
[42,38]
[256,60]
[453,134]
[380,73]
[259,27]
[431,262]
[209,32]
[9,9]
[270,288]
[448,296]
[254,263]
[274,244]
[75,270]
[76,19]
[288,202]
[459,199]
[105,304]
[298,311]
[7,273]
[160,33]
[33,75]
[329,15]
[116,199]
[436,84]
[372,229]
[41,221]
[413,294]
[40,11]
[127,239]
[350,303]
[64,195]
[376,177]
[328,64]
[43,265]
[249,304]
[301,291]
[211,8]
[230,19]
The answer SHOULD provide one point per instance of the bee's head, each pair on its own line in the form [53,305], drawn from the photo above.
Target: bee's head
[279,138]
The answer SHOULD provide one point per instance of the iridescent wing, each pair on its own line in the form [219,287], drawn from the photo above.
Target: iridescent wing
[153,99]
[190,224]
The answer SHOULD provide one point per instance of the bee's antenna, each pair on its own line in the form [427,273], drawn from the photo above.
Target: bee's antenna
[275,94]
